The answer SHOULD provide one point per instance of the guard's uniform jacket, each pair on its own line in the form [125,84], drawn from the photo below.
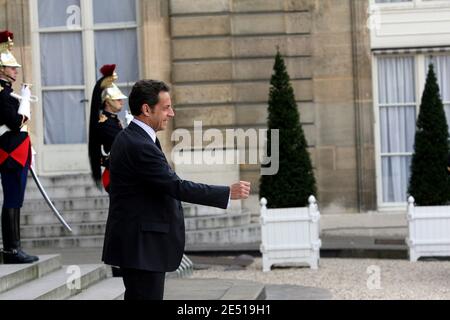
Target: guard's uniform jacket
[15,146]
[108,127]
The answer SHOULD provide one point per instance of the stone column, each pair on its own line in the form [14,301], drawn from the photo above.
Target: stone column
[334,102]
[362,80]
[154,32]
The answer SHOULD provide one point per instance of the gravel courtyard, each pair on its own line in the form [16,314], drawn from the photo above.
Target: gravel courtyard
[354,279]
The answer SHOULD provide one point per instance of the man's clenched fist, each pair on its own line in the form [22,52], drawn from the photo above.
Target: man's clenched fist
[240,191]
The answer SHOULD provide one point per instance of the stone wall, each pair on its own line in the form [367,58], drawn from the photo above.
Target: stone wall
[218,56]
[222,57]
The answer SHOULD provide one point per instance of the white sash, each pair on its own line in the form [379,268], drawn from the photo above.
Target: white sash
[4,129]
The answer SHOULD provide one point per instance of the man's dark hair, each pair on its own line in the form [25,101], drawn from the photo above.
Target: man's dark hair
[146,92]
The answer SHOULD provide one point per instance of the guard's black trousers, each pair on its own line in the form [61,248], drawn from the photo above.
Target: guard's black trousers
[14,183]
[143,285]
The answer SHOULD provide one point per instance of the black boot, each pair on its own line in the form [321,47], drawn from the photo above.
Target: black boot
[12,251]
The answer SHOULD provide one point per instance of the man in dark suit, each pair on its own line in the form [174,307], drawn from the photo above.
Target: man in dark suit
[145,233]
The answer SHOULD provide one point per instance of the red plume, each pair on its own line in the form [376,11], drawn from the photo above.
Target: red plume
[108,70]
[4,35]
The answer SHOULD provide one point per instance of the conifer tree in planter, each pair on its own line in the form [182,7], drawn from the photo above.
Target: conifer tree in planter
[429,183]
[429,186]
[290,193]
[294,183]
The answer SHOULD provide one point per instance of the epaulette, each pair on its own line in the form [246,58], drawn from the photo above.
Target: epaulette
[1,88]
[103,119]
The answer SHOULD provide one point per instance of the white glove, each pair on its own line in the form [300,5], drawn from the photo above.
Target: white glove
[33,157]
[24,108]
[128,117]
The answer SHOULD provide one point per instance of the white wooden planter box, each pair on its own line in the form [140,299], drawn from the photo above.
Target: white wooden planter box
[429,231]
[290,236]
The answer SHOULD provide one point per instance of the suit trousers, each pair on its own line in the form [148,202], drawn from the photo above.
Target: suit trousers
[143,285]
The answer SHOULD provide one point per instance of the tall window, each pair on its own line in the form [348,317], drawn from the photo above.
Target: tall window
[116,40]
[397,110]
[442,68]
[76,37]
[399,92]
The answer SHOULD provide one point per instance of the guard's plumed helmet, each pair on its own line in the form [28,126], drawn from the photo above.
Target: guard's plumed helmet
[110,89]
[7,59]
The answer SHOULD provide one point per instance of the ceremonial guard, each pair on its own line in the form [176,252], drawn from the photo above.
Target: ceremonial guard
[107,102]
[15,151]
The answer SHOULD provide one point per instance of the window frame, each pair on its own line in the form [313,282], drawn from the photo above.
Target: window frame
[420,79]
[417,4]
[87,29]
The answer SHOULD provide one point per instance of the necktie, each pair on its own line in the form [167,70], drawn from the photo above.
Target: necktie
[158,144]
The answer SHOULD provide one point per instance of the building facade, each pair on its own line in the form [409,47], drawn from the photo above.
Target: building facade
[357,68]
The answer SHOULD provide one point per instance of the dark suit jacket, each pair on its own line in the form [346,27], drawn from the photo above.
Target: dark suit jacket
[145,228]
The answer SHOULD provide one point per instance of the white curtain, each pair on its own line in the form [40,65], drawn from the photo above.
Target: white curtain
[64,117]
[53,13]
[62,63]
[61,59]
[396,87]
[442,69]
[64,110]
[113,11]
[118,47]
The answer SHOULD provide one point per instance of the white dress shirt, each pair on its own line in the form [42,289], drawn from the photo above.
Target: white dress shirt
[146,128]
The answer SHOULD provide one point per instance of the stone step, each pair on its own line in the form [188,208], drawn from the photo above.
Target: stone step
[58,230]
[243,234]
[182,289]
[41,228]
[84,203]
[62,181]
[109,289]
[70,204]
[86,216]
[73,216]
[196,240]
[217,222]
[65,192]
[55,286]
[12,276]
[45,224]
[64,242]
[213,289]
[185,270]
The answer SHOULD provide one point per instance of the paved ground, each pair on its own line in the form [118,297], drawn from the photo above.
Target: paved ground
[346,278]
[350,279]
[367,236]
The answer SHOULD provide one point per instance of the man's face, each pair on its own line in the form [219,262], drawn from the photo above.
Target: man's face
[160,115]
[115,105]
[10,72]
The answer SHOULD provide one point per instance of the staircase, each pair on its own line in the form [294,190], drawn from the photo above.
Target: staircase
[49,280]
[85,208]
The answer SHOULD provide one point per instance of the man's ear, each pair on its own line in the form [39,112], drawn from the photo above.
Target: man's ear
[144,110]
